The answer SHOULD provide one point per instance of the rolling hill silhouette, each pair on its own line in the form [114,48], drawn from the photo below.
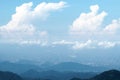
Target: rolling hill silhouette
[107,75]
[9,76]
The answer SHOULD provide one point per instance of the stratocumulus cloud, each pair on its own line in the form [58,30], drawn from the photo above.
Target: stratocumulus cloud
[89,44]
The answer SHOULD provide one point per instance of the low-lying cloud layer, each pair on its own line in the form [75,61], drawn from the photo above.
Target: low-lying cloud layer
[89,44]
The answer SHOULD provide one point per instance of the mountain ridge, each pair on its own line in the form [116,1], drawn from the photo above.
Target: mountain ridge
[106,75]
[5,75]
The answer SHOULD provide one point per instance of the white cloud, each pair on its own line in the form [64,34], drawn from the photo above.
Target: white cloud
[30,42]
[43,9]
[90,26]
[33,42]
[62,42]
[89,44]
[79,45]
[75,44]
[113,28]
[21,27]
[107,44]
[88,23]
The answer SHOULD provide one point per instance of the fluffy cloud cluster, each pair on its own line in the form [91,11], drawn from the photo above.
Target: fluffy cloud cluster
[21,29]
[113,28]
[21,26]
[90,24]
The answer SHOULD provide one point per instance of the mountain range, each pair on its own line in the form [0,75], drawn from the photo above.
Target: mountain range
[56,75]
[59,71]
[106,75]
[9,76]
[76,67]
[17,67]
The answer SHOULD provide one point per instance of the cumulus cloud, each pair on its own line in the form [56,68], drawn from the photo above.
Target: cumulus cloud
[90,26]
[113,28]
[88,22]
[21,27]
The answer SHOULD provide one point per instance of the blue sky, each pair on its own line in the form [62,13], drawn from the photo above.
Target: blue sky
[58,22]
[77,26]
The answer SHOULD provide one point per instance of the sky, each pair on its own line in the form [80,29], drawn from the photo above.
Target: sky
[84,31]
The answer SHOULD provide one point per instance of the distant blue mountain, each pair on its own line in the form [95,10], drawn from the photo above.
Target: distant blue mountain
[76,67]
[60,67]
[9,76]
[17,67]
[55,75]
[106,75]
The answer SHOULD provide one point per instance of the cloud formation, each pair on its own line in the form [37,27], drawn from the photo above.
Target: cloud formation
[89,44]
[21,26]
[88,22]
[90,25]
[113,28]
